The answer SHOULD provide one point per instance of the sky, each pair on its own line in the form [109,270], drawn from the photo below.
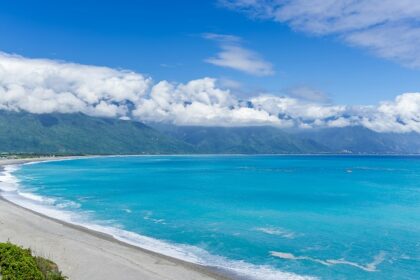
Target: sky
[240,62]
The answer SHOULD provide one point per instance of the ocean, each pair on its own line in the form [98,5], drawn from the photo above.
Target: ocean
[251,217]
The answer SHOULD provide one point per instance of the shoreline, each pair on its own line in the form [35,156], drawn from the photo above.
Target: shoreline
[42,239]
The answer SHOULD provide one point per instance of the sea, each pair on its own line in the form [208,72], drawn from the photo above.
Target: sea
[248,217]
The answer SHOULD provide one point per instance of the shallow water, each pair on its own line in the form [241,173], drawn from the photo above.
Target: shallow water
[261,217]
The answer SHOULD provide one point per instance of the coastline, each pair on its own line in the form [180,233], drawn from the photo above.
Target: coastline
[83,253]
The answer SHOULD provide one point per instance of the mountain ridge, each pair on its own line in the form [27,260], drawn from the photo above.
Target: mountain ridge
[22,132]
[58,133]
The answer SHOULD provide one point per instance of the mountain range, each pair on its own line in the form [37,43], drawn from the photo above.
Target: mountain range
[22,132]
[56,133]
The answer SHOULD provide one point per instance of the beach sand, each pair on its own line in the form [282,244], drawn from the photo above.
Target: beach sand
[85,254]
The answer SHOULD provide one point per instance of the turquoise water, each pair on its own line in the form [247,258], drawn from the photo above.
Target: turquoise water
[257,217]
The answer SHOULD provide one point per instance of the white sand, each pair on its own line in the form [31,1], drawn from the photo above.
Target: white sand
[85,254]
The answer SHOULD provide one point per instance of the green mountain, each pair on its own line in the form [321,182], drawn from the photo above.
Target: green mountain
[270,140]
[243,140]
[360,140]
[80,134]
[22,132]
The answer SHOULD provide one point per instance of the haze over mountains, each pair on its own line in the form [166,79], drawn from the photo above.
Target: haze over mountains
[22,132]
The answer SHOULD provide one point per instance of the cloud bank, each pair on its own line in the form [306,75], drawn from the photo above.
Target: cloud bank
[46,86]
[388,28]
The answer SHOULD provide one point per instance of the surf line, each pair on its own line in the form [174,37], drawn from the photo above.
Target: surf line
[370,267]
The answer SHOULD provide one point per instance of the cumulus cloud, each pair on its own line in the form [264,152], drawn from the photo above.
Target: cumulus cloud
[46,86]
[401,115]
[388,28]
[198,102]
[234,55]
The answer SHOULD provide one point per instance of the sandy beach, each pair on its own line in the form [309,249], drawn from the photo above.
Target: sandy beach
[85,254]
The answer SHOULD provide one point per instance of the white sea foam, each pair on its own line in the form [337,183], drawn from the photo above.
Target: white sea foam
[8,182]
[277,231]
[370,267]
[37,198]
[68,204]
[56,159]
[149,217]
[9,189]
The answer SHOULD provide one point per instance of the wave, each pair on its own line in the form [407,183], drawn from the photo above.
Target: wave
[10,190]
[277,231]
[370,267]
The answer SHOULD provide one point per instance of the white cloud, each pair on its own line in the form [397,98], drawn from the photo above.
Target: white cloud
[402,115]
[235,56]
[388,28]
[45,86]
[224,38]
[198,102]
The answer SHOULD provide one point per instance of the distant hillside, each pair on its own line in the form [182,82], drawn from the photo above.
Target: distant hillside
[243,140]
[81,134]
[270,140]
[361,140]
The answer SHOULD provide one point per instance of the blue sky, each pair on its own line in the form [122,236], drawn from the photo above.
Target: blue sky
[165,39]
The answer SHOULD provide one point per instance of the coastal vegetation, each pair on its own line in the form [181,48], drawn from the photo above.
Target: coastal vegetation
[17,263]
